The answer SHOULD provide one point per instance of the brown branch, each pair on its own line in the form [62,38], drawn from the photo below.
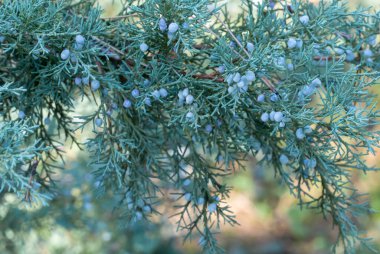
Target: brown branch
[212,76]
[116,18]
[32,172]
[325,58]
[269,84]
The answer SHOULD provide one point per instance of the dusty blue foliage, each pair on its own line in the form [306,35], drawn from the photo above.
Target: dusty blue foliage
[183,93]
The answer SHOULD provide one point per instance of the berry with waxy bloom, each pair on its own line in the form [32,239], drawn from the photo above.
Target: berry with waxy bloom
[147,101]
[208,128]
[307,129]
[271,4]
[98,122]
[372,40]
[144,47]
[280,61]
[78,81]
[200,201]
[241,84]
[219,123]
[304,19]
[339,51]
[299,43]
[237,77]
[65,54]
[127,103]
[180,96]
[290,67]
[163,92]
[313,162]
[187,182]
[156,94]
[264,117]
[95,84]
[308,90]
[369,60]
[271,115]
[21,114]
[135,93]
[202,241]
[231,89]
[274,97]
[130,205]
[284,159]
[146,82]
[189,99]
[216,198]
[173,27]
[221,69]
[292,43]
[85,80]
[79,39]
[73,58]
[47,121]
[310,163]
[300,134]
[212,207]
[190,115]
[350,56]
[250,47]
[250,76]
[79,42]
[171,35]
[162,24]
[105,92]
[185,92]
[139,215]
[229,79]
[244,88]
[316,83]
[261,98]
[147,209]
[278,116]
[367,53]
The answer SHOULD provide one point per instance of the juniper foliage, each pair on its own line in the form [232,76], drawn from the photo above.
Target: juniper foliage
[183,93]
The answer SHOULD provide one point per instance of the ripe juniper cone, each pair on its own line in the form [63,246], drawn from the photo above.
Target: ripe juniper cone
[287,82]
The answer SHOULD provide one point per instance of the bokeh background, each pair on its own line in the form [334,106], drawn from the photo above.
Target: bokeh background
[78,221]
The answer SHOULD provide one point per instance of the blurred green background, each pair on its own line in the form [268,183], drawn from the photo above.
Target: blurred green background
[78,221]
